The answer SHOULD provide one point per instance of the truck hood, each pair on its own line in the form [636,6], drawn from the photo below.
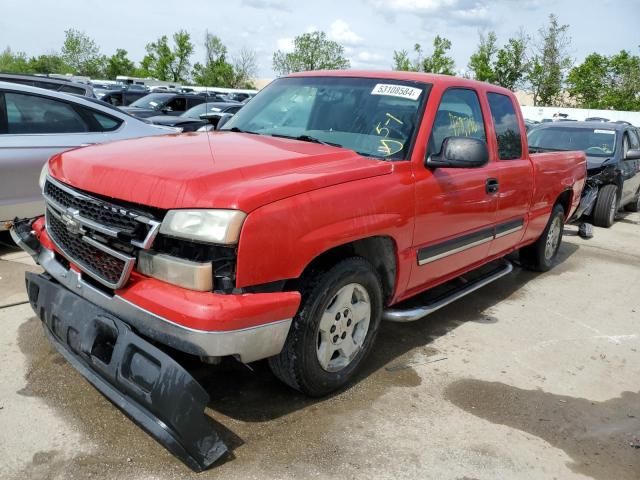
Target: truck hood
[210,170]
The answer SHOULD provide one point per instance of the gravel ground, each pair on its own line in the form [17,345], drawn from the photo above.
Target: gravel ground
[535,376]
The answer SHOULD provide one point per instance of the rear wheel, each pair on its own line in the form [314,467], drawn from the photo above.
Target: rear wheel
[334,329]
[604,213]
[541,255]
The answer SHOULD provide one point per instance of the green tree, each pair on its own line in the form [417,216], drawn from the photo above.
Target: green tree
[482,61]
[48,63]
[312,51]
[439,61]
[587,82]
[606,82]
[11,62]
[216,71]
[81,53]
[182,52]
[119,64]
[511,63]
[549,63]
[624,90]
[402,62]
[164,63]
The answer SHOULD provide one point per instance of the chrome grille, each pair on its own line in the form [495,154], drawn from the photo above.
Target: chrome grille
[101,238]
[97,211]
[100,265]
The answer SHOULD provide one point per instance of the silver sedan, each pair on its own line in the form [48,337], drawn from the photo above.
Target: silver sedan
[37,123]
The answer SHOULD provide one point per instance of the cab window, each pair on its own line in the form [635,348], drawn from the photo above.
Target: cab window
[459,115]
[505,121]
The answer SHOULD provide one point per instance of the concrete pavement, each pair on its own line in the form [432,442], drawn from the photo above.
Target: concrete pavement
[535,376]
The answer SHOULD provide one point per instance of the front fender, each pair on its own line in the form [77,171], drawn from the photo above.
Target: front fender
[279,240]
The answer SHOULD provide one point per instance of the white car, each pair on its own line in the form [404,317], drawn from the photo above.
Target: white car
[35,124]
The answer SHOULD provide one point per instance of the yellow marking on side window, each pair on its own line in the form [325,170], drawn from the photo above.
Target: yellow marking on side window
[463,126]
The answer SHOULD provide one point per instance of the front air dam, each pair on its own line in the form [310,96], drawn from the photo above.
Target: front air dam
[140,379]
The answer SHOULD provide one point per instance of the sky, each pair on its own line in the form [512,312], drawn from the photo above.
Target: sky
[370,30]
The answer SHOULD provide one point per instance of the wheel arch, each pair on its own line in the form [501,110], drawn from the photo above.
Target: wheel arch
[565,199]
[380,250]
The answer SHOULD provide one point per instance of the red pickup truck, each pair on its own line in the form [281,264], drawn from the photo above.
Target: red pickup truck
[331,201]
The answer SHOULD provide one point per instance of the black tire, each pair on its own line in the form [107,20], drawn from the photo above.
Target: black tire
[604,213]
[297,365]
[536,256]
[634,206]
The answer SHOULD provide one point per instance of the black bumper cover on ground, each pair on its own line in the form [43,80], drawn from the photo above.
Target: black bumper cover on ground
[140,379]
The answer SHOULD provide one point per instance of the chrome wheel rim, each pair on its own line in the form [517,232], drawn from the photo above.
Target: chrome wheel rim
[553,238]
[343,327]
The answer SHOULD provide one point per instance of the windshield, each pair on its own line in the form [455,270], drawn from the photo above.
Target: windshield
[374,117]
[596,142]
[195,112]
[153,101]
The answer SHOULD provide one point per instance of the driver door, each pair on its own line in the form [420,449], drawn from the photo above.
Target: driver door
[455,207]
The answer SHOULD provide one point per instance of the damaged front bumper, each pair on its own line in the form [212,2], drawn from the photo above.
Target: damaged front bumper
[112,342]
[140,379]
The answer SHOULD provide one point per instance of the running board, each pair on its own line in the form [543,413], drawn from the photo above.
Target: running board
[453,291]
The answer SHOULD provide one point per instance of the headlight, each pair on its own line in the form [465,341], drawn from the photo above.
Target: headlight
[43,175]
[210,226]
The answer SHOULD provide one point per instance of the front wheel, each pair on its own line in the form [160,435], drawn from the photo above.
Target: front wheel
[604,213]
[334,329]
[541,255]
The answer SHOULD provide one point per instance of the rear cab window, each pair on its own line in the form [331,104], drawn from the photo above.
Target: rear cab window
[507,127]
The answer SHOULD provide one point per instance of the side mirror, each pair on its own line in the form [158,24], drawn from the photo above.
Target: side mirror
[632,155]
[460,152]
[223,120]
[166,109]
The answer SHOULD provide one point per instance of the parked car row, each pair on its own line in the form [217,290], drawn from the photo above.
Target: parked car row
[197,117]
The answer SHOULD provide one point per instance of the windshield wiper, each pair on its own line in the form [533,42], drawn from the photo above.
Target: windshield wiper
[307,138]
[239,130]
[545,149]
[371,155]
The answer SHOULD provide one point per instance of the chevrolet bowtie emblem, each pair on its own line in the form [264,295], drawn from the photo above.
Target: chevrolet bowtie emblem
[68,218]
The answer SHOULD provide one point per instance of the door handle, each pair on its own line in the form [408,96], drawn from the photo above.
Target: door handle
[492,185]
